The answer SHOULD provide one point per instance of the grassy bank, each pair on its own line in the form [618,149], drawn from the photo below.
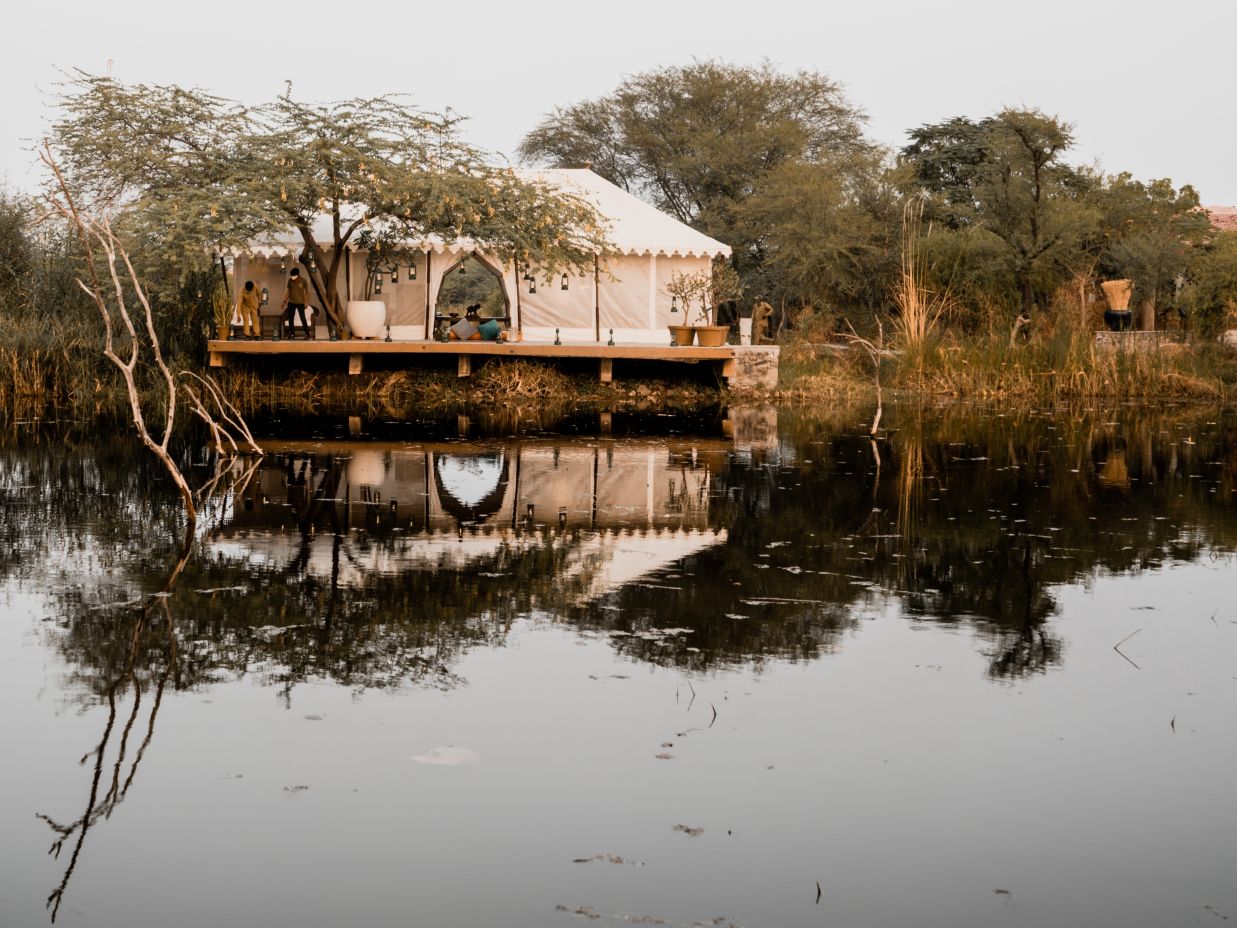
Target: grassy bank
[60,371]
[1063,367]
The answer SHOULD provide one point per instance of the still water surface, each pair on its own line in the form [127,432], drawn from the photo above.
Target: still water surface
[664,671]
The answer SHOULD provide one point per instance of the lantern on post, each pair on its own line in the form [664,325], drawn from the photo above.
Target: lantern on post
[564,283]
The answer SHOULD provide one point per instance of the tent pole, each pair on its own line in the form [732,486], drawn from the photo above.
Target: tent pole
[519,316]
[428,316]
[596,300]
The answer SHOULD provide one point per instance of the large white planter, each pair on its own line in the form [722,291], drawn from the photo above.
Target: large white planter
[367,469]
[366,318]
[745,331]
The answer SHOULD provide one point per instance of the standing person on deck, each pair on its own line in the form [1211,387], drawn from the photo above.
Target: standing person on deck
[294,300]
[247,309]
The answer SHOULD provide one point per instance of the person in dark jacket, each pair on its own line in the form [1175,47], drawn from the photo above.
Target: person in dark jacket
[294,301]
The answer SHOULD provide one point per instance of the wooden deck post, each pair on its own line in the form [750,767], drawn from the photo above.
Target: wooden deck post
[218,359]
[465,364]
[607,370]
[356,363]
[729,368]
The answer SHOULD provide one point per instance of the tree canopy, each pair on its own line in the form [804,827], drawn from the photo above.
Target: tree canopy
[188,172]
[1016,220]
[723,148]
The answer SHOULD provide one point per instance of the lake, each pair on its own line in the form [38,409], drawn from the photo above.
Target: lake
[741,668]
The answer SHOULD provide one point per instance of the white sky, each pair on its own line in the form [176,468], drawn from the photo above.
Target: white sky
[1148,84]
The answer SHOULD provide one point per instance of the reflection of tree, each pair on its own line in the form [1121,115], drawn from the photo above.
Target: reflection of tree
[103,797]
[976,521]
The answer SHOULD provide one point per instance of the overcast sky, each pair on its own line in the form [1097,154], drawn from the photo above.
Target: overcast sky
[1148,85]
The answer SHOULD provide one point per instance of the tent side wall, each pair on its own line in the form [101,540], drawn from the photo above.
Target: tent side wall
[631,298]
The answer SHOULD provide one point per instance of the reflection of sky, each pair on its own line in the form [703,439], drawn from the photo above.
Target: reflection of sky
[469,478]
[1070,791]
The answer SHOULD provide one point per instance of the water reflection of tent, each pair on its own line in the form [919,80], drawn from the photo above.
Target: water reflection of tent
[614,511]
[614,486]
[589,565]
[471,487]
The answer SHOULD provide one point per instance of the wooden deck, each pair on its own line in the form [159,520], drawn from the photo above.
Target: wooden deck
[355,351]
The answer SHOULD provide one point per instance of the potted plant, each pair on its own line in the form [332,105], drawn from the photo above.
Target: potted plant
[685,289]
[722,286]
[221,311]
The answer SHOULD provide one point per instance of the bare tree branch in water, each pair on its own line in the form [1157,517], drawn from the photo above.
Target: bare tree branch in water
[99,241]
[875,350]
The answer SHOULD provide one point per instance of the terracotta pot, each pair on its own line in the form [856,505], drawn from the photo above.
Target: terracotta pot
[712,336]
[366,318]
[222,332]
[683,334]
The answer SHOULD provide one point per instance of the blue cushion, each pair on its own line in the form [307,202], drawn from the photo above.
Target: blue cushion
[489,329]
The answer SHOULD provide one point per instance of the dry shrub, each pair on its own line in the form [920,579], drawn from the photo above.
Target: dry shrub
[502,379]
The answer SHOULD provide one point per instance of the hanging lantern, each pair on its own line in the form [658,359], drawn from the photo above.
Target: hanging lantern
[312,264]
[528,274]
[412,271]
[564,283]
[378,283]
[283,263]
[532,285]
[462,270]
[674,304]
[266,296]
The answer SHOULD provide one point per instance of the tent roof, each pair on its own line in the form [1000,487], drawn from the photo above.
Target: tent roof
[634,227]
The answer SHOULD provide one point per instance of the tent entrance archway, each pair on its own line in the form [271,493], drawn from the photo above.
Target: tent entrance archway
[471,281]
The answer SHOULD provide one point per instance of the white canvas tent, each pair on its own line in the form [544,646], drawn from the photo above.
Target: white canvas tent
[626,291]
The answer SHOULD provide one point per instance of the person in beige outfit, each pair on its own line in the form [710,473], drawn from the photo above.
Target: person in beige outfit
[247,309]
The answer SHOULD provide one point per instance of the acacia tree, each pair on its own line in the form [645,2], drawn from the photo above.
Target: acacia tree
[186,173]
[1005,177]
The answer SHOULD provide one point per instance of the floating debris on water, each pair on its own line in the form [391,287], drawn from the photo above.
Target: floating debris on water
[609,859]
[448,756]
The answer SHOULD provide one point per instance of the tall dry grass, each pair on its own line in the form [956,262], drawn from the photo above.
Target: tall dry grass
[919,308]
